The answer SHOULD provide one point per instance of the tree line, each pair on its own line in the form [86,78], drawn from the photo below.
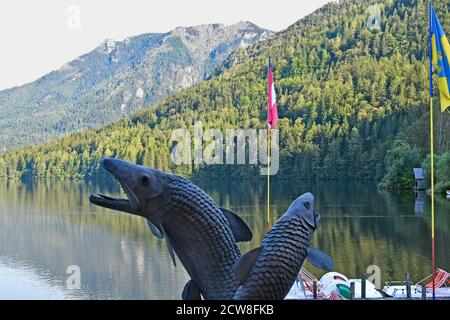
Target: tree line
[352,102]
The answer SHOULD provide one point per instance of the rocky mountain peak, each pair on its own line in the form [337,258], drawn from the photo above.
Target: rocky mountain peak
[116,79]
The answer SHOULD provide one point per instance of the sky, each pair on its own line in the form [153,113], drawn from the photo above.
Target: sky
[40,36]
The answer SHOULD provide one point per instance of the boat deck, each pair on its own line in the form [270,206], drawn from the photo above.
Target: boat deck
[395,292]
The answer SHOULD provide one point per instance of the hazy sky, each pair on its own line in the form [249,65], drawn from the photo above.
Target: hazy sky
[40,36]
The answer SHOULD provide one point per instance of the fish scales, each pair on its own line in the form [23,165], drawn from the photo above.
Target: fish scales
[287,242]
[191,209]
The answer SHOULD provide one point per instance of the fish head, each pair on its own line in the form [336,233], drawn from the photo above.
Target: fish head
[303,207]
[145,188]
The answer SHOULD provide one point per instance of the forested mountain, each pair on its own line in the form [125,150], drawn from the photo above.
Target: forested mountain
[116,79]
[348,95]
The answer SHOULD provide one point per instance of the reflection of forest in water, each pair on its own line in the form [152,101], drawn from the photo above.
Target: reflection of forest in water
[48,226]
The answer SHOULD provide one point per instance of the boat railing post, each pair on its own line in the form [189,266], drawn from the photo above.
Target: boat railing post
[408,286]
[363,286]
[352,290]
[424,292]
[314,289]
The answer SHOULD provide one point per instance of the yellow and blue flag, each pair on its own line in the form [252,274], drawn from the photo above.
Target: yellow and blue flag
[440,57]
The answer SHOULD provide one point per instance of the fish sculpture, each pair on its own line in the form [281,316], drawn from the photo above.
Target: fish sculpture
[269,271]
[201,234]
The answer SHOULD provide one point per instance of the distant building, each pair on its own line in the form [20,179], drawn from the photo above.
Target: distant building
[419,178]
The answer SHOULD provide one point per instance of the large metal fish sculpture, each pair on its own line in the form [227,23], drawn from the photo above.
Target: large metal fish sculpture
[201,234]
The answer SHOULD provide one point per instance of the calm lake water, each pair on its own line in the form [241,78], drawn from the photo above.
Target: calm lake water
[46,227]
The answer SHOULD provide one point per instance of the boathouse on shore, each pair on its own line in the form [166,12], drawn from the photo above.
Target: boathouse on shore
[419,178]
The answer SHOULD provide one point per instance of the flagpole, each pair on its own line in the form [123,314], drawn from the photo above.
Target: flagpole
[268,178]
[268,147]
[433,264]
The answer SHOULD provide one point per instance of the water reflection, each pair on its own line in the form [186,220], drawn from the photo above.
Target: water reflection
[419,204]
[47,226]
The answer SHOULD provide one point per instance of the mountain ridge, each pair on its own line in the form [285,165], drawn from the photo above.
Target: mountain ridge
[117,78]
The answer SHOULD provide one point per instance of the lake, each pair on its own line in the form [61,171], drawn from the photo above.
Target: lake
[46,227]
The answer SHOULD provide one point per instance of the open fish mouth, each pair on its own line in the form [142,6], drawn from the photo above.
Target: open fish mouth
[131,204]
[316,219]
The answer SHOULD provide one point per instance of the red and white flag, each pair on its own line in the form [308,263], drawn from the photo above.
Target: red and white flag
[272,110]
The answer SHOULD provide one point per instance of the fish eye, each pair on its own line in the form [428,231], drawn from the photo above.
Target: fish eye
[145,179]
[306,204]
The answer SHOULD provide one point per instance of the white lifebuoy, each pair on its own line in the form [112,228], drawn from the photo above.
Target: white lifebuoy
[327,278]
[334,286]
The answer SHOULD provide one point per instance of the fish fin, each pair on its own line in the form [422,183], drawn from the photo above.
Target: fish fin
[169,246]
[241,231]
[154,229]
[191,291]
[319,259]
[243,266]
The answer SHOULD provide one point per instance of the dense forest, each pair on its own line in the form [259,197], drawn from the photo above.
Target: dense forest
[353,104]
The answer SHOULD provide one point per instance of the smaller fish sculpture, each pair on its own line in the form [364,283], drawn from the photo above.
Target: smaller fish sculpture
[268,272]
